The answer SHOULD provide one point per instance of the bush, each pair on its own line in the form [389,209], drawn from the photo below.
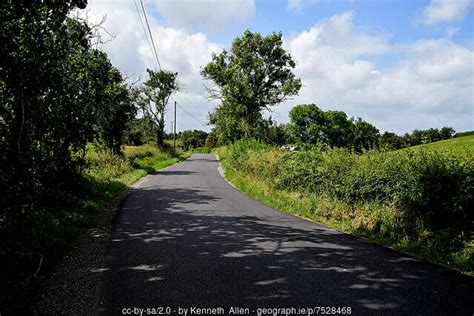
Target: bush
[193,139]
[104,165]
[145,155]
[402,194]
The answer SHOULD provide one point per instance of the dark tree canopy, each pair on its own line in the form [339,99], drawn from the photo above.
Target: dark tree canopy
[57,94]
[193,139]
[310,124]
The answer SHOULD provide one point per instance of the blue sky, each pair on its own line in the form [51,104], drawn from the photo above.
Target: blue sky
[400,65]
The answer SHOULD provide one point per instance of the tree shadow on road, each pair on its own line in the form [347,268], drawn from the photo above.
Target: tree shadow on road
[184,247]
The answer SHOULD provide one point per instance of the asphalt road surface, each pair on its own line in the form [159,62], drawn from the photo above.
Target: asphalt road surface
[186,238]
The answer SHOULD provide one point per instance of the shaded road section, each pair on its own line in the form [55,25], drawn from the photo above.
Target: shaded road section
[186,238]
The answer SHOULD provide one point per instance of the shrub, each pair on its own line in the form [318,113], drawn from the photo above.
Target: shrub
[401,194]
[241,147]
[105,165]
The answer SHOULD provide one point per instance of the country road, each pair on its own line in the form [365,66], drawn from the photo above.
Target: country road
[186,238]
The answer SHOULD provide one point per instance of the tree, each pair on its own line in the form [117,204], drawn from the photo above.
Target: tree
[254,75]
[153,97]
[416,137]
[447,132]
[50,83]
[193,139]
[211,140]
[338,130]
[57,93]
[229,125]
[140,130]
[312,125]
[365,135]
[111,98]
[276,134]
[307,123]
[392,141]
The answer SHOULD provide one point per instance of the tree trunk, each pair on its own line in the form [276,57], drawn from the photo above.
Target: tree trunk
[160,133]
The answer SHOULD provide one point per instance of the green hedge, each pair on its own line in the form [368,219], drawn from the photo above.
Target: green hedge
[406,195]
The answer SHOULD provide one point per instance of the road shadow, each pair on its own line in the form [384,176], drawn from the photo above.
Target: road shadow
[174,172]
[182,247]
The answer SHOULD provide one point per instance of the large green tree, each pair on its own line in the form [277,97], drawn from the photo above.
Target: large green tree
[310,124]
[115,108]
[48,97]
[256,74]
[364,135]
[57,93]
[153,96]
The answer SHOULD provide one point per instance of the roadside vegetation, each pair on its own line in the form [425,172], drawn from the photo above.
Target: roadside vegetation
[419,201]
[65,114]
[74,133]
[49,237]
[340,170]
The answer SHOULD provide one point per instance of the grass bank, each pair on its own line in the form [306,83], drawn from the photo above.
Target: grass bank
[107,175]
[49,233]
[460,146]
[419,202]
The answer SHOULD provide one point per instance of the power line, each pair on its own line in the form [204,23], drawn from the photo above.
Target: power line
[144,30]
[189,114]
[153,49]
[151,35]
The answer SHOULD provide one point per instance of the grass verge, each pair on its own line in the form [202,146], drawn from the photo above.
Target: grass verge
[51,232]
[322,209]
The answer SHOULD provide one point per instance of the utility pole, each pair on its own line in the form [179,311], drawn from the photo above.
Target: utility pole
[174,134]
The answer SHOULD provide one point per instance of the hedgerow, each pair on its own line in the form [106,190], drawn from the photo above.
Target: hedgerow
[421,196]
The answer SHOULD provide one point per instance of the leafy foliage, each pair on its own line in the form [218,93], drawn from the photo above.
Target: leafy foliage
[139,131]
[193,139]
[57,94]
[311,125]
[254,75]
[417,137]
[421,196]
[153,97]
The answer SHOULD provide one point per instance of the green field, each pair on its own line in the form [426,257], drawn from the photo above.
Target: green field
[459,146]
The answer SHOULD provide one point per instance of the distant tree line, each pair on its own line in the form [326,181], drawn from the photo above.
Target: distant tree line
[417,137]
[311,125]
[257,74]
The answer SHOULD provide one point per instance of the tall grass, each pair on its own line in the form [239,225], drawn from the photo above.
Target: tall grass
[421,201]
[47,233]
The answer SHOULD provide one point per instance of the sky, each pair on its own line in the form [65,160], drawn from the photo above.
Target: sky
[398,64]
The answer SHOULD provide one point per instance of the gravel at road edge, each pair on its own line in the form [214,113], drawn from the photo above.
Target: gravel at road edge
[71,290]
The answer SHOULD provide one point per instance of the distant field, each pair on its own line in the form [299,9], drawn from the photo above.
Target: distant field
[460,145]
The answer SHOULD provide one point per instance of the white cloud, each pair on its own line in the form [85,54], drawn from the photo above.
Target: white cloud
[211,16]
[444,11]
[178,51]
[295,5]
[430,86]
[298,5]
